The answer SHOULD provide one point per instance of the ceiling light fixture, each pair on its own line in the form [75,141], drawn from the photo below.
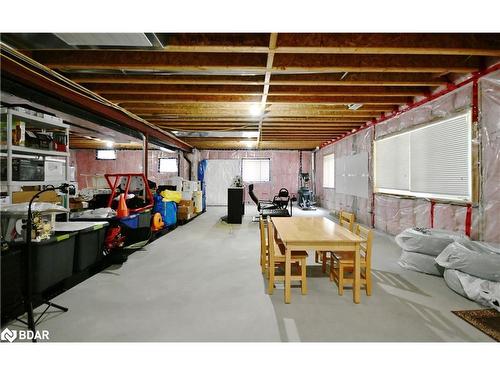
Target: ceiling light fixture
[110,144]
[248,144]
[256,110]
[354,106]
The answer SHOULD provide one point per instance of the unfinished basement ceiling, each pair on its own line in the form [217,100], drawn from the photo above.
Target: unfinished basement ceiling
[295,90]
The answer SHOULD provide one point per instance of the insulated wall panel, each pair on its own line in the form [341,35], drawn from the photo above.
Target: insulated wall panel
[218,177]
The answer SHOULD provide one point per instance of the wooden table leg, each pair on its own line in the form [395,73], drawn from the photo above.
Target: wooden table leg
[288,274]
[357,271]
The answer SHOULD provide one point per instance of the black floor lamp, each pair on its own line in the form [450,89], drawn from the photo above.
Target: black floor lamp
[28,298]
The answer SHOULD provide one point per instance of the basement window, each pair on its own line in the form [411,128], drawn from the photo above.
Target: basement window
[432,161]
[106,155]
[168,165]
[329,171]
[256,170]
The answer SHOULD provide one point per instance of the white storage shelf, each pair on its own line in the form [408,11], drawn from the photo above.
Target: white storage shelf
[34,151]
[39,122]
[11,151]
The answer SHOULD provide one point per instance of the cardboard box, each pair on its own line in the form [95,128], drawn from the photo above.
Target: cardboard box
[188,203]
[185,212]
[25,196]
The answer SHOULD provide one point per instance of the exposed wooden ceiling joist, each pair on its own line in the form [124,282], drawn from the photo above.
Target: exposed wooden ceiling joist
[105,89]
[252,63]
[326,79]
[304,82]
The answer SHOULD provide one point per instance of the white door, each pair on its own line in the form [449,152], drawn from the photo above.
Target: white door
[218,177]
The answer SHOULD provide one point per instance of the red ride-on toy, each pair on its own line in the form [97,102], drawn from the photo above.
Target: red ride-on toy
[131,228]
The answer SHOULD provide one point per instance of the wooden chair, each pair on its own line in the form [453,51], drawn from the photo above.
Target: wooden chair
[342,263]
[264,244]
[277,258]
[346,219]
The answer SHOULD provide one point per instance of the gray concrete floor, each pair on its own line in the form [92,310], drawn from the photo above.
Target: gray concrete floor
[202,283]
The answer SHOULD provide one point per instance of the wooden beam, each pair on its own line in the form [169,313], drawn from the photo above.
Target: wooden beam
[466,44]
[334,79]
[267,123]
[153,79]
[104,89]
[252,63]
[267,78]
[273,120]
[221,144]
[161,98]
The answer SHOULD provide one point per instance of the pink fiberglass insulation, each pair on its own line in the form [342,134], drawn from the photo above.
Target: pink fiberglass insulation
[127,161]
[284,168]
[87,166]
[406,214]
[422,213]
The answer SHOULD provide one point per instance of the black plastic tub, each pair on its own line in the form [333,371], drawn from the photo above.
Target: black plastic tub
[89,243]
[52,260]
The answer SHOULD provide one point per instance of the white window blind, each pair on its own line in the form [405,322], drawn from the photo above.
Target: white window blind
[329,171]
[167,165]
[255,170]
[392,163]
[432,161]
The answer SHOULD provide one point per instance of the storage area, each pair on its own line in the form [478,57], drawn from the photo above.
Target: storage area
[324,187]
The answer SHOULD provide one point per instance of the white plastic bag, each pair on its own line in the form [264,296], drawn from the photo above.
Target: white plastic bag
[427,241]
[98,213]
[485,292]
[451,279]
[472,257]
[420,262]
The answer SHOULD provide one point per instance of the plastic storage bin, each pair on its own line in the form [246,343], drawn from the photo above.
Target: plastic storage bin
[12,281]
[89,242]
[52,260]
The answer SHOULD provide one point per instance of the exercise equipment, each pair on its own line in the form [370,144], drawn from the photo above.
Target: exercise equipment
[274,208]
[305,195]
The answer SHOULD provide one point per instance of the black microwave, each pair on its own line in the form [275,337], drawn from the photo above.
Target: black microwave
[24,170]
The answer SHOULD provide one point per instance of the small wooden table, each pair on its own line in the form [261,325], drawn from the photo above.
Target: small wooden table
[317,233]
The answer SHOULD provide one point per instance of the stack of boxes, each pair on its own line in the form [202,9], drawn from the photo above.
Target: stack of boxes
[191,203]
[185,210]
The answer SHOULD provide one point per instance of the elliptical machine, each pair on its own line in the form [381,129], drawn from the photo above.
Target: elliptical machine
[305,198]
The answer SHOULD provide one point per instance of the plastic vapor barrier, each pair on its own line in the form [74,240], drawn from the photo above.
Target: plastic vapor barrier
[332,199]
[478,259]
[427,241]
[489,116]
[284,169]
[420,263]
[484,292]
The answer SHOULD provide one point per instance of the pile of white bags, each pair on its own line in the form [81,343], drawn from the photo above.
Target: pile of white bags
[421,246]
[473,271]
